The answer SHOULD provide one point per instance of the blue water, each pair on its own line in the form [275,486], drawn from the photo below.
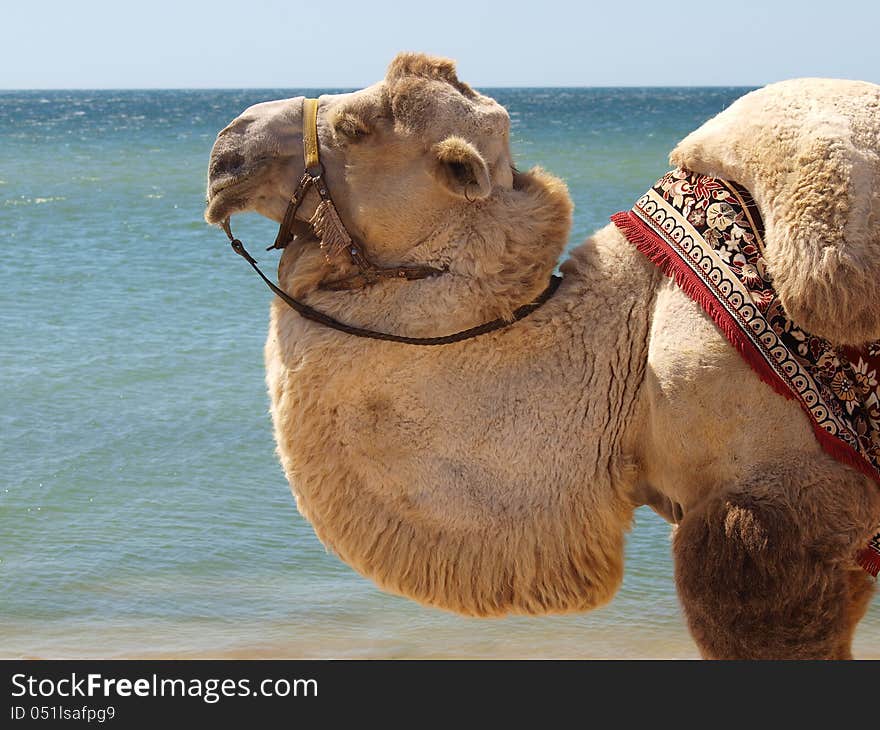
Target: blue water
[142,509]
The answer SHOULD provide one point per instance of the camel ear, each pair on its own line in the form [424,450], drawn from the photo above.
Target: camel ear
[461,169]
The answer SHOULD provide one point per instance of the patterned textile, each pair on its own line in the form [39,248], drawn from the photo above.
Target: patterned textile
[707,234]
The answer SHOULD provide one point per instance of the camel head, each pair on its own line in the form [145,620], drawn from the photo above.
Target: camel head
[423,133]
[415,164]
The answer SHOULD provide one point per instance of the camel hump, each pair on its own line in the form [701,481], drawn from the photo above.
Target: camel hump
[809,152]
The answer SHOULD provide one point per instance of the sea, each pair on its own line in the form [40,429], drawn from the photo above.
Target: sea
[143,513]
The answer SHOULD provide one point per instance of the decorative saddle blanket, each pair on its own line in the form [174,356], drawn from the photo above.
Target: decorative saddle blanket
[707,234]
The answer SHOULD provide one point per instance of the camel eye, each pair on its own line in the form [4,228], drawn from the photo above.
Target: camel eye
[351,127]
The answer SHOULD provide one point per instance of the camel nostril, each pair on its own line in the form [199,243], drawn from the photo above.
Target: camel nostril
[226,163]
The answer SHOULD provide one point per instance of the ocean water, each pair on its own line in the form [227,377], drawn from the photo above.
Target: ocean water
[142,510]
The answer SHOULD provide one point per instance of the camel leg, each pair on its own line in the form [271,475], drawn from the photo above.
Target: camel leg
[861,591]
[766,571]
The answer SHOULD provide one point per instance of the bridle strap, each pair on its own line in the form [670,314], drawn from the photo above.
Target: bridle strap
[369,272]
[313,172]
[304,310]
[282,238]
[311,156]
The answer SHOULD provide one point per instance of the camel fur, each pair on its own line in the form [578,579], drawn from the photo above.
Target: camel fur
[500,474]
[809,152]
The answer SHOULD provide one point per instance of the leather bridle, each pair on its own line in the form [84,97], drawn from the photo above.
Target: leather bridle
[335,239]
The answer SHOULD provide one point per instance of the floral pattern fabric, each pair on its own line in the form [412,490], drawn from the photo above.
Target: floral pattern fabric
[707,233]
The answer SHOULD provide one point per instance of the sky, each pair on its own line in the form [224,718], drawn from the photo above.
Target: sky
[52,44]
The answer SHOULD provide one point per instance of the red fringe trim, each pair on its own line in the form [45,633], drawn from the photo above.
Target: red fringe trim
[869,559]
[659,252]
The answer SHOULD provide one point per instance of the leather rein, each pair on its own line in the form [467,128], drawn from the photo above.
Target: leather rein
[335,239]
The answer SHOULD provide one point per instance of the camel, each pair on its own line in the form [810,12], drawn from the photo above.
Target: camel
[499,475]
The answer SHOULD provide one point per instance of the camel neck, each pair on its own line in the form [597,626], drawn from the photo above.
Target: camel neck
[524,434]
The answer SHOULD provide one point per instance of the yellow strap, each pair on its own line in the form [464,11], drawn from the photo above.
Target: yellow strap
[310,133]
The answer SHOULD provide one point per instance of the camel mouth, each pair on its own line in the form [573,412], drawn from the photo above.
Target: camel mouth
[219,185]
[227,194]
[234,182]
[231,175]
[221,203]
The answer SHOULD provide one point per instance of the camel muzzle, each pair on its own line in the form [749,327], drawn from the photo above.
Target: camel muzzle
[242,159]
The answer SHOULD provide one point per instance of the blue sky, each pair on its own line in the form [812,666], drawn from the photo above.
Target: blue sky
[269,43]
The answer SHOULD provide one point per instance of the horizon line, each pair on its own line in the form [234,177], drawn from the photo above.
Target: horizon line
[348,88]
